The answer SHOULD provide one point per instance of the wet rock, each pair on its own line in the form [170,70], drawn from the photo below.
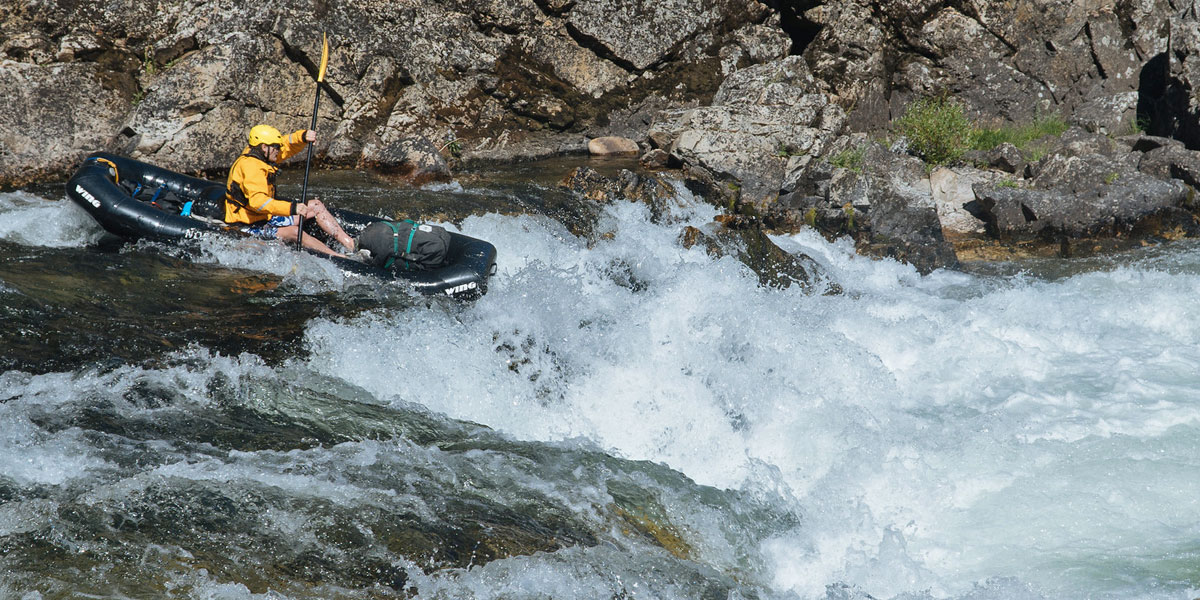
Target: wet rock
[704,184]
[612,146]
[1133,204]
[657,159]
[795,210]
[746,240]
[590,184]
[882,199]
[653,191]
[904,225]
[413,160]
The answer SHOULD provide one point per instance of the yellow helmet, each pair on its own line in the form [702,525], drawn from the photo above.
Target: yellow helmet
[265,134]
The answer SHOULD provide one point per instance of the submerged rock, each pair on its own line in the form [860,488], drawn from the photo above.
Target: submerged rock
[747,241]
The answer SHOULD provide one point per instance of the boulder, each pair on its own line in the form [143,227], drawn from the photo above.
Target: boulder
[953,191]
[1172,162]
[1005,157]
[655,192]
[1114,114]
[590,184]
[904,225]
[1134,204]
[754,44]
[612,146]
[1082,174]
[882,199]
[656,159]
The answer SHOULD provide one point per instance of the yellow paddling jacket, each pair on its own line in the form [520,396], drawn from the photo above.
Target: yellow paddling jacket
[250,189]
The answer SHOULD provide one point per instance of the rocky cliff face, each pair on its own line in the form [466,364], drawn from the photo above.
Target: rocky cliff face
[178,83]
[758,101]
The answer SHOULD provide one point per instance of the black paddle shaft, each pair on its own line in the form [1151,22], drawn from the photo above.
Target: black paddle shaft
[307,166]
[313,128]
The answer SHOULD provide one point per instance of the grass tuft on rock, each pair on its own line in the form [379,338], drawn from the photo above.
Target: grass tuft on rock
[1021,136]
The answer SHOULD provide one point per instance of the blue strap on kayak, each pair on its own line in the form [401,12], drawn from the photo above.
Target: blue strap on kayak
[187,209]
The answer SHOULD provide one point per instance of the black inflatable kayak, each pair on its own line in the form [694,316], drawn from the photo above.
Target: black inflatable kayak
[197,210]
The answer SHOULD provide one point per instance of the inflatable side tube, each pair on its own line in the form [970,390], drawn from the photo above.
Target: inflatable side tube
[93,188]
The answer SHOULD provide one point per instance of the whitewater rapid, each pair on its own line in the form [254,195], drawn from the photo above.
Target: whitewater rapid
[954,435]
[937,433]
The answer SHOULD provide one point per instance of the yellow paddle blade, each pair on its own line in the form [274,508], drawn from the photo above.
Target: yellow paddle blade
[324,57]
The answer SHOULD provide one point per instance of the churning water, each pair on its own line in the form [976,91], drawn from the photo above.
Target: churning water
[617,418]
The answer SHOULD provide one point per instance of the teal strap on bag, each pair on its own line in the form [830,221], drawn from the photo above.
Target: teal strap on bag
[412,232]
[395,245]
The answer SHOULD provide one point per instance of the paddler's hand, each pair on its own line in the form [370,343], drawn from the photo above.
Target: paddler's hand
[310,209]
[310,136]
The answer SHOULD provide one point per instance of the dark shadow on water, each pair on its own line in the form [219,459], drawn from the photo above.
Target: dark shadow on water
[62,309]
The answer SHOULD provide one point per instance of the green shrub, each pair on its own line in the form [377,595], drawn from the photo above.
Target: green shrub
[937,130]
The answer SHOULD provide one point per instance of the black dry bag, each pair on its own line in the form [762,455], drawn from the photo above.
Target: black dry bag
[405,244]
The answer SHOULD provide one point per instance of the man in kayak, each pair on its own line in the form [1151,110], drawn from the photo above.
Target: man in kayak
[250,198]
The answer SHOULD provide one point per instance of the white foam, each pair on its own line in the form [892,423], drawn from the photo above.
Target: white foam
[942,436]
[35,221]
[918,421]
